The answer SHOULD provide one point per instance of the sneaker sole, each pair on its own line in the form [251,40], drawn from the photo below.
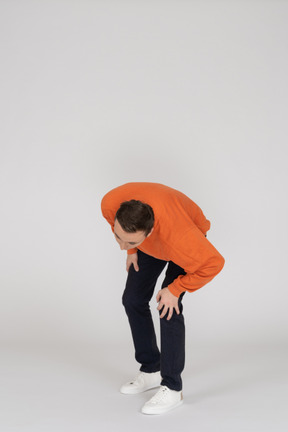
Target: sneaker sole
[149,411]
[131,391]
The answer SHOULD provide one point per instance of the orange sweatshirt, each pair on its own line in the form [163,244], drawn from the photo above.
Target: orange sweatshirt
[179,232]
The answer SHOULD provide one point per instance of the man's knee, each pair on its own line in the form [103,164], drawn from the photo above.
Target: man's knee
[131,300]
[127,300]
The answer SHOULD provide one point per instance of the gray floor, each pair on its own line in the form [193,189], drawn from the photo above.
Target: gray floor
[237,387]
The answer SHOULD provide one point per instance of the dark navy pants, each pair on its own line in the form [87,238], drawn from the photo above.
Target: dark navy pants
[137,295]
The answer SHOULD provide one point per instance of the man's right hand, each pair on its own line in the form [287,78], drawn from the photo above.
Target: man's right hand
[132,259]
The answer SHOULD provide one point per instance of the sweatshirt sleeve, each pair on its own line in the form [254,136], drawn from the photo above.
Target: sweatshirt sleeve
[200,260]
[108,209]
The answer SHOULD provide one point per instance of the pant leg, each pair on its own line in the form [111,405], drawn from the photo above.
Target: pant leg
[137,295]
[173,338]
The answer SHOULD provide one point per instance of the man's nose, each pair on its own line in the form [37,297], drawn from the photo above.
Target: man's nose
[122,246]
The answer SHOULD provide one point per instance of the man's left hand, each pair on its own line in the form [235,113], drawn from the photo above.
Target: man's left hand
[168,302]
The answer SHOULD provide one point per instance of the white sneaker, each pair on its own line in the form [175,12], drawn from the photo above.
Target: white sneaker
[144,381]
[163,401]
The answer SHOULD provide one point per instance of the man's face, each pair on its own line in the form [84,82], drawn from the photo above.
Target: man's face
[128,240]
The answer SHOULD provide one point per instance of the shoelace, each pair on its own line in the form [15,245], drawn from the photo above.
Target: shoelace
[160,395]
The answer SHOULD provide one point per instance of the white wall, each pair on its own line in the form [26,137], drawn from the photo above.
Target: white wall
[192,94]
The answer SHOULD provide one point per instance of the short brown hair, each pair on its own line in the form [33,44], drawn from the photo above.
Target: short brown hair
[135,216]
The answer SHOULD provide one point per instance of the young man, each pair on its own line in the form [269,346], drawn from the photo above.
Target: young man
[158,225]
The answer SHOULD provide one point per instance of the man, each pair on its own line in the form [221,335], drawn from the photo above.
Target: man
[158,225]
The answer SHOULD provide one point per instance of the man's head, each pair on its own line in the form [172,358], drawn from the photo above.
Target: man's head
[134,222]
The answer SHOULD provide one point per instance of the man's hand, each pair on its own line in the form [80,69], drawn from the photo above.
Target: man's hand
[132,259]
[168,302]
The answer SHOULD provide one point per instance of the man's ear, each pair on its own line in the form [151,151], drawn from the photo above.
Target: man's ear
[150,232]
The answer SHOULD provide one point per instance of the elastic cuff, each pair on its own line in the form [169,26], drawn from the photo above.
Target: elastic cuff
[132,251]
[176,292]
